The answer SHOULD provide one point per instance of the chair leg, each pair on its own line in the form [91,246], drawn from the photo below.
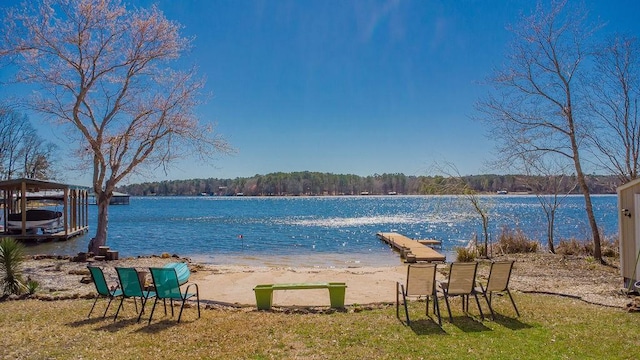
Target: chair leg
[400,290]
[436,309]
[406,307]
[427,306]
[446,300]
[143,300]
[478,303]
[119,307]
[181,308]
[198,301]
[94,305]
[398,301]
[513,302]
[153,309]
[493,314]
[107,309]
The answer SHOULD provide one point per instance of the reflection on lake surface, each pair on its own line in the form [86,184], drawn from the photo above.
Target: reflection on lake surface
[320,231]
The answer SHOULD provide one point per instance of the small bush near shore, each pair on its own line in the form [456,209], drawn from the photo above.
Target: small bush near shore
[465,255]
[572,247]
[608,247]
[515,241]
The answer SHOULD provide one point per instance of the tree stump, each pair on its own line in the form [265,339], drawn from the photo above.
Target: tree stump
[112,255]
[102,250]
[81,257]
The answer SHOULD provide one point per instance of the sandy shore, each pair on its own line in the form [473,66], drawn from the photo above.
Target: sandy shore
[233,285]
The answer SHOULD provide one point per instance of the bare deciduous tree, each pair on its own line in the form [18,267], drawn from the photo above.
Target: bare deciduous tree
[613,101]
[547,180]
[105,71]
[22,151]
[536,107]
[455,183]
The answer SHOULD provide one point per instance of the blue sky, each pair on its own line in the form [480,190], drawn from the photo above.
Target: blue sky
[358,87]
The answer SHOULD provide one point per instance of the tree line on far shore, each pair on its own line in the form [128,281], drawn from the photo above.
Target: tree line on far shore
[308,183]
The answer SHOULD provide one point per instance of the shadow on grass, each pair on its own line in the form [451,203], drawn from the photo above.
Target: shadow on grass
[121,323]
[162,325]
[511,323]
[469,324]
[427,327]
[89,321]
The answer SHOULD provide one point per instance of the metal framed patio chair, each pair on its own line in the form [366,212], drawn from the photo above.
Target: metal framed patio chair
[421,281]
[462,280]
[132,288]
[498,281]
[167,286]
[103,289]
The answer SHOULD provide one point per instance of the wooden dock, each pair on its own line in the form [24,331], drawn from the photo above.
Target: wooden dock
[60,235]
[412,250]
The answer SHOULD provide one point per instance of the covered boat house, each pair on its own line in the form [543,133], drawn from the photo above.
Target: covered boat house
[39,210]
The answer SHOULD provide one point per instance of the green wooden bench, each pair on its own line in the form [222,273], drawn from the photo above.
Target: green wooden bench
[182,271]
[264,293]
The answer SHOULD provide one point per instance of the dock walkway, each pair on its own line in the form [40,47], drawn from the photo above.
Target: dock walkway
[412,250]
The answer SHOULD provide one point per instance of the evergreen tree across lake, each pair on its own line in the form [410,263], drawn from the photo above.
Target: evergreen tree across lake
[308,183]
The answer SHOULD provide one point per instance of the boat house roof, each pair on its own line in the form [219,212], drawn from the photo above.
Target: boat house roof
[33,185]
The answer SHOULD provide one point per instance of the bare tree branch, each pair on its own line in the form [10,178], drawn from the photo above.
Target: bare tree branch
[106,72]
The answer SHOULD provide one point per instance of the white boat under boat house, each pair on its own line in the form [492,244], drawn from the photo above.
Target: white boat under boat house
[66,205]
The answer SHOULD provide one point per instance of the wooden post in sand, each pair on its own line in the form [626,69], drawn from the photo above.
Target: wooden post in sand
[112,255]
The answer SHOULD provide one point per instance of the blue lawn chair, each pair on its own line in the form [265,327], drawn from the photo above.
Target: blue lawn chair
[102,288]
[132,288]
[167,286]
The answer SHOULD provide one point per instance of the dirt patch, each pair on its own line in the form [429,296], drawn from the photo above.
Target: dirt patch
[543,273]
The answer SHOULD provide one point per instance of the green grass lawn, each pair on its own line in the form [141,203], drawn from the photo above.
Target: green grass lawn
[550,327]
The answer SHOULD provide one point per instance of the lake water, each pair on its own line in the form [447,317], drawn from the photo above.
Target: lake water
[320,231]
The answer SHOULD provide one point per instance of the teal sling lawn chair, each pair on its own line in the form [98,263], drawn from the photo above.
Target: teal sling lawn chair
[167,286]
[132,288]
[102,288]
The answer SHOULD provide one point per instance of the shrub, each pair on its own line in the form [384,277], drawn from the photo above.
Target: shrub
[608,247]
[465,255]
[512,242]
[574,247]
[32,286]
[11,258]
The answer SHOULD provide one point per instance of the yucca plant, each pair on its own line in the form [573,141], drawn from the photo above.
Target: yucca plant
[32,286]
[11,259]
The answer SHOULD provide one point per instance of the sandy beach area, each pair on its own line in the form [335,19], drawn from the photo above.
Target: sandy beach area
[232,286]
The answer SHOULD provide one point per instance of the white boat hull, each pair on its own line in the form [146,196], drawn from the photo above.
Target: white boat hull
[35,219]
[34,224]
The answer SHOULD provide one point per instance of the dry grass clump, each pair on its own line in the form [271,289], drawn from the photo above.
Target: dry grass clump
[572,247]
[608,246]
[514,242]
[464,254]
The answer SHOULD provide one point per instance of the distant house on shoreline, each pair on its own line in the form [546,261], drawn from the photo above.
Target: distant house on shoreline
[118,198]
